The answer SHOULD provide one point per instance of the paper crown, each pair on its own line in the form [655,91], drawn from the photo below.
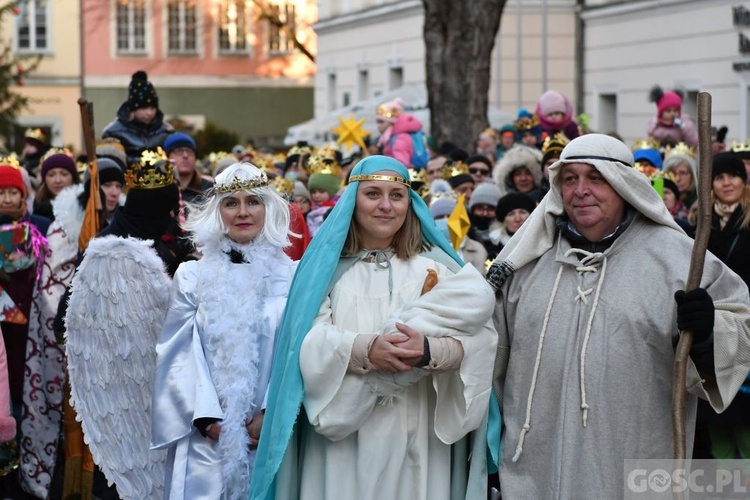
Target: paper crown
[299,150]
[320,164]
[387,112]
[526,123]
[453,169]
[681,149]
[35,133]
[154,171]
[283,186]
[491,133]
[556,142]
[215,157]
[418,176]
[54,151]
[10,161]
[265,163]
[739,147]
[237,184]
[648,143]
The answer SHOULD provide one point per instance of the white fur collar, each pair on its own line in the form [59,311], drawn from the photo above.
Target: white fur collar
[68,212]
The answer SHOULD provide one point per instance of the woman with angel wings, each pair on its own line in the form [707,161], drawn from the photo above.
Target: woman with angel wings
[182,372]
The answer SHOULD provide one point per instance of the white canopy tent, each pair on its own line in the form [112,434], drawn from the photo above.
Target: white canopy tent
[318,130]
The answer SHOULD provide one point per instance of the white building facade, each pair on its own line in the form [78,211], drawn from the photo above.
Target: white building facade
[369,47]
[605,55]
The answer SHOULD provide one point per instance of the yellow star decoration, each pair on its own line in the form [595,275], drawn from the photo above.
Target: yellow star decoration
[458,223]
[350,132]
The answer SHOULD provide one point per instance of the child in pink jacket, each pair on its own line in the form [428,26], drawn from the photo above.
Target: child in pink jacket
[669,123]
[395,126]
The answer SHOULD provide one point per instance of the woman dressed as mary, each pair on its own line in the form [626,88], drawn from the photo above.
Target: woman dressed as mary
[386,352]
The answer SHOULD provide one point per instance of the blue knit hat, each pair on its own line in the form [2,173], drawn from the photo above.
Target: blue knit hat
[179,140]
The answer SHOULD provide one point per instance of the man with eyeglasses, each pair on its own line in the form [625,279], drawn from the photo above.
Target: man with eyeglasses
[480,168]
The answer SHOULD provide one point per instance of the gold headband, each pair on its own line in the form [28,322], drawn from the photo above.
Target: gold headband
[375,177]
[239,185]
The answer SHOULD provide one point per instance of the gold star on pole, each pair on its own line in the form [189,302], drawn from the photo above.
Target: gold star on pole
[350,132]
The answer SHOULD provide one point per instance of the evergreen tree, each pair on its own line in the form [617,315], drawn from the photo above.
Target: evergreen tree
[13,70]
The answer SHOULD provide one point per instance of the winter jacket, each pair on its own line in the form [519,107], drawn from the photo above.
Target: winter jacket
[400,146]
[135,135]
[686,132]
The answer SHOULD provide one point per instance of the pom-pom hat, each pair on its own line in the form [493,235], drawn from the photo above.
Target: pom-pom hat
[141,93]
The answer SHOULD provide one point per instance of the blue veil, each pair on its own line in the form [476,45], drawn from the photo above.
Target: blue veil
[308,290]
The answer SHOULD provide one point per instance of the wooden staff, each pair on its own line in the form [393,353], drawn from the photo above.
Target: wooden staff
[92,219]
[679,388]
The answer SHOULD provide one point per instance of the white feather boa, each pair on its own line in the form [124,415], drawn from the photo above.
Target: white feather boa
[233,296]
[68,212]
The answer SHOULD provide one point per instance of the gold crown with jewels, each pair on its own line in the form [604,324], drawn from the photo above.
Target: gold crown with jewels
[681,149]
[154,171]
[453,169]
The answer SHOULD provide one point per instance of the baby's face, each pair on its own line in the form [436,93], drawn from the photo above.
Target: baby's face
[555,116]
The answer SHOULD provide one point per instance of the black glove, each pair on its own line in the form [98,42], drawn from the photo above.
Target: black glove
[695,312]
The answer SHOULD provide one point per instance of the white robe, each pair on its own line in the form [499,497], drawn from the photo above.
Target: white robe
[627,361]
[214,361]
[378,435]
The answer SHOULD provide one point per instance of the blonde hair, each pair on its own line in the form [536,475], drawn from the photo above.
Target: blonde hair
[744,204]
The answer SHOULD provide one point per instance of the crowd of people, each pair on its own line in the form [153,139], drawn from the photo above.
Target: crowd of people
[411,320]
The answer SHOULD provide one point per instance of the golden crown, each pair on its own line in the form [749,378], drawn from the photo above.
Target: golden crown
[491,133]
[265,163]
[738,146]
[154,171]
[385,112]
[453,169]
[11,160]
[526,123]
[237,184]
[648,143]
[324,165]
[214,158]
[35,133]
[681,149]
[283,186]
[54,151]
[300,150]
[418,176]
[555,142]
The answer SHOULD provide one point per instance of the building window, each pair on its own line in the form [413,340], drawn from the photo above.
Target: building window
[363,85]
[331,87]
[607,113]
[234,27]
[131,26]
[395,78]
[182,26]
[32,26]
[279,39]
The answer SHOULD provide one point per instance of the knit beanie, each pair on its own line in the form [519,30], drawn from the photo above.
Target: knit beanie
[730,163]
[486,193]
[141,93]
[301,190]
[11,176]
[650,155]
[109,171]
[665,100]
[60,160]
[552,101]
[460,179]
[479,158]
[512,201]
[442,207]
[670,184]
[326,182]
[113,149]
[179,140]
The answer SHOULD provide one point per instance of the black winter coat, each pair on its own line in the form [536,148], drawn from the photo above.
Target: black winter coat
[137,136]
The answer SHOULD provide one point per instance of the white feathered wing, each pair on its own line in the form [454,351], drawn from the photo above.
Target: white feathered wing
[119,300]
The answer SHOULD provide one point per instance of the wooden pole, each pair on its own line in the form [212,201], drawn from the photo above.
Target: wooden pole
[679,389]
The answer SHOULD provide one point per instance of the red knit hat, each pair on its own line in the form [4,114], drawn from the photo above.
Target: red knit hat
[669,100]
[10,176]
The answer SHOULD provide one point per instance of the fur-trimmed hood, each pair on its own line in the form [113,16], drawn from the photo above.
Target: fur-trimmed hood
[517,156]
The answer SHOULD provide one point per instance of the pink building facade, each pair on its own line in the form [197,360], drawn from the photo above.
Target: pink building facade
[219,61]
